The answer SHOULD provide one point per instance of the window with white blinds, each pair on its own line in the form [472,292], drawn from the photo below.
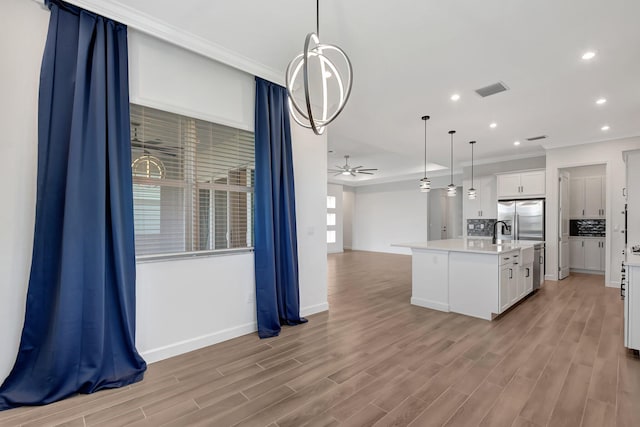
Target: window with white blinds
[192,184]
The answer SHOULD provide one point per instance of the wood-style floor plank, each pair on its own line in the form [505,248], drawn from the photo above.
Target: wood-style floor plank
[555,359]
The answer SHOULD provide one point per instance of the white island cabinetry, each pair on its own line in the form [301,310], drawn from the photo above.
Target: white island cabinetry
[470,276]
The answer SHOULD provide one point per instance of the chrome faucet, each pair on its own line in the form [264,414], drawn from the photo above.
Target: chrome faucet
[495,225]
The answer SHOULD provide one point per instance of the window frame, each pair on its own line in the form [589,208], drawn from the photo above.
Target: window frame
[191,190]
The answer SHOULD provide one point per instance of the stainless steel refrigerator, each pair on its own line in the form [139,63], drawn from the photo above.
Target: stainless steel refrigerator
[526,222]
[524,217]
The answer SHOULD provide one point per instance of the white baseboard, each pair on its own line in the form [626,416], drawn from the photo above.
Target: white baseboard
[176,349]
[613,284]
[550,277]
[313,309]
[161,353]
[430,304]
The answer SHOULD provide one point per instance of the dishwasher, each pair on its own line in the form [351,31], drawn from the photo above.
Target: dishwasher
[538,265]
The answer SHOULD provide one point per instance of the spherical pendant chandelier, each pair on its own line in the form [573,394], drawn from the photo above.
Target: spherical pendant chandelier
[324,91]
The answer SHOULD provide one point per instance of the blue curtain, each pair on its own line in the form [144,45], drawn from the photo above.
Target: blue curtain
[78,335]
[276,247]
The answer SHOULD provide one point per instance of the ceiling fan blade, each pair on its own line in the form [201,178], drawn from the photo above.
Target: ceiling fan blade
[366,173]
[335,170]
[339,173]
[341,167]
[368,169]
[357,167]
[352,174]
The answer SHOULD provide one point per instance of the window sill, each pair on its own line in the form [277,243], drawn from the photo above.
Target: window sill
[190,255]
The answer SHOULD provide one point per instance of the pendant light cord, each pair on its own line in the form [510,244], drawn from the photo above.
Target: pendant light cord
[451,157]
[318,18]
[425,148]
[472,144]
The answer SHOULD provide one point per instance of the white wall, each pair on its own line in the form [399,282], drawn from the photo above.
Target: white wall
[586,171]
[335,190]
[609,153]
[182,304]
[348,206]
[23,27]
[310,170]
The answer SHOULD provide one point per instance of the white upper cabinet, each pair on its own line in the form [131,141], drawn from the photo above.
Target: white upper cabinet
[587,197]
[485,204]
[521,184]
[576,197]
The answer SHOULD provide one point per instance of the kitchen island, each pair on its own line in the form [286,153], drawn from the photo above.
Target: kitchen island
[470,276]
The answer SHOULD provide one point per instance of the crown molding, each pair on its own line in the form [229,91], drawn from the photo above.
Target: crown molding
[152,26]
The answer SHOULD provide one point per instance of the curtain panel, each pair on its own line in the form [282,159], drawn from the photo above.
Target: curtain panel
[79,329]
[276,247]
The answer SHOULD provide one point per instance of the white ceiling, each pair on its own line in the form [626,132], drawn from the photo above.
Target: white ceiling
[410,56]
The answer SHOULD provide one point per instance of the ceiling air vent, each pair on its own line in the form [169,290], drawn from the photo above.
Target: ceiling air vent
[536,138]
[491,89]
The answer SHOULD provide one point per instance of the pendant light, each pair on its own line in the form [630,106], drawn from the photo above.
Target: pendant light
[325,58]
[451,188]
[472,191]
[425,183]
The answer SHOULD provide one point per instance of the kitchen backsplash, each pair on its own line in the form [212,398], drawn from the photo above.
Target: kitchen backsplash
[587,227]
[480,227]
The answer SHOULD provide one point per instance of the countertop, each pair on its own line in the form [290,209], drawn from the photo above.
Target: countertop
[481,246]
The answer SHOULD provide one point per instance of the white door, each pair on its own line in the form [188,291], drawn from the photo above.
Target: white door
[563,221]
[435,218]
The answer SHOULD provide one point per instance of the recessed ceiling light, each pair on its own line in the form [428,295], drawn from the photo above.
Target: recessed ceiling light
[516,143]
[493,125]
[605,127]
[601,101]
[588,55]
[455,97]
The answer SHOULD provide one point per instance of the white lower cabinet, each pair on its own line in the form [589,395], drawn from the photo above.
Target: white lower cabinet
[525,280]
[516,277]
[576,253]
[507,283]
[508,280]
[587,253]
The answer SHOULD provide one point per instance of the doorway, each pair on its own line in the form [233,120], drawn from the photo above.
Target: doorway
[582,220]
[445,215]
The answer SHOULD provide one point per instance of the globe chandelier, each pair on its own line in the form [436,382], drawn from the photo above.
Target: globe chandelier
[318,66]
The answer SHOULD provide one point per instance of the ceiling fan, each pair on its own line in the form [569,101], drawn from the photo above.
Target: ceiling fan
[351,170]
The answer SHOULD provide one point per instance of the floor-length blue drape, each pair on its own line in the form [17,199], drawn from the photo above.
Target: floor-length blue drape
[78,335]
[276,247]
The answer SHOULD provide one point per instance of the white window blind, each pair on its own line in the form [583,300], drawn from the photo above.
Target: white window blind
[192,184]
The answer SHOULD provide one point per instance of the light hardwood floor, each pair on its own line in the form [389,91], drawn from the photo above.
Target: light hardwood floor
[557,359]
